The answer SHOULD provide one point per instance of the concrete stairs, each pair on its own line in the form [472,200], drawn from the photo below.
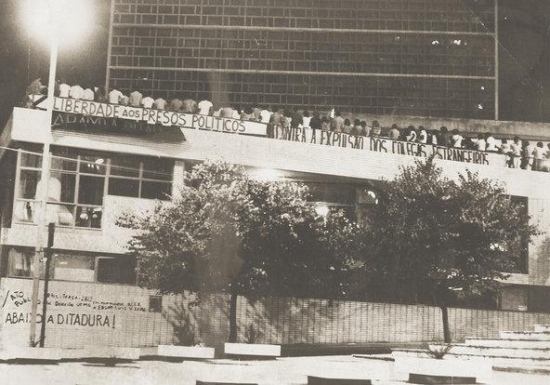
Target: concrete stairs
[516,354]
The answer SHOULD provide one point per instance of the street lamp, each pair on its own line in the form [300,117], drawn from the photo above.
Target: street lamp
[50,20]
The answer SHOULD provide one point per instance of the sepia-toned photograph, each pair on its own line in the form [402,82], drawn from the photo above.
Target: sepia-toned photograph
[274,192]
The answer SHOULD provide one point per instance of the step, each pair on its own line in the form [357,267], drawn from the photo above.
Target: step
[499,361]
[261,350]
[508,343]
[505,375]
[539,336]
[186,351]
[542,328]
[499,352]
[314,380]
[478,367]
[415,378]
[28,353]
[333,366]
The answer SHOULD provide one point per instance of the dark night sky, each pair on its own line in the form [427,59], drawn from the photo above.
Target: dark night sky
[524,54]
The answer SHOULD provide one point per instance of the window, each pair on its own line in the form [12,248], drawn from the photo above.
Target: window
[20,262]
[522,245]
[119,269]
[71,266]
[149,178]
[27,187]
[80,179]
[76,190]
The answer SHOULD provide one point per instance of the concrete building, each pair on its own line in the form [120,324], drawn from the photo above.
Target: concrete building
[409,57]
[361,56]
[104,164]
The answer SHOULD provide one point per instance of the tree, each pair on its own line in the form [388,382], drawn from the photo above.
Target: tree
[448,236]
[226,232]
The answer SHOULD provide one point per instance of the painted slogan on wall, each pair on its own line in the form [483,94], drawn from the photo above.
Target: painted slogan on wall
[337,139]
[70,309]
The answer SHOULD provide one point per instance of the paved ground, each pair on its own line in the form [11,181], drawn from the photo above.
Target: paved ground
[284,371]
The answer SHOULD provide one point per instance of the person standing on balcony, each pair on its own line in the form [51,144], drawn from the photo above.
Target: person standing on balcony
[125,100]
[189,106]
[315,121]
[376,129]
[64,89]
[445,137]
[76,92]
[348,128]
[135,98]
[265,114]
[394,133]
[88,94]
[515,153]
[297,120]
[456,139]
[176,105]
[306,119]
[538,156]
[205,107]
[481,144]
[422,135]
[160,103]
[527,155]
[491,142]
[337,123]
[147,102]
[115,96]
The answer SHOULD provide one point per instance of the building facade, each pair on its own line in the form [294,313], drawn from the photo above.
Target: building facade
[382,57]
[104,164]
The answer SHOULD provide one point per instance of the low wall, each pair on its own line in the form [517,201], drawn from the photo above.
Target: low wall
[84,314]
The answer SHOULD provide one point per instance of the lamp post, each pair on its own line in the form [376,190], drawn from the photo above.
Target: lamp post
[44,178]
[52,19]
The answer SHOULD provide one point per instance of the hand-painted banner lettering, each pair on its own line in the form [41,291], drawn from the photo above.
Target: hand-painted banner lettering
[153,117]
[338,139]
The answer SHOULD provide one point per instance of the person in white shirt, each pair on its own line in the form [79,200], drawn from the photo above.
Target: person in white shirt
[265,114]
[160,104]
[135,98]
[115,96]
[306,118]
[422,135]
[88,94]
[481,144]
[147,102]
[236,113]
[64,90]
[76,92]
[205,107]
[226,112]
[538,155]
[491,142]
[456,139]
[515,152]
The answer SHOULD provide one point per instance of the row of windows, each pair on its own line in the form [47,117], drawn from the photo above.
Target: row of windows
[79,181]
[310,14]
[80,267]
[370,23]
[171,6]
[460,98]
[353,40]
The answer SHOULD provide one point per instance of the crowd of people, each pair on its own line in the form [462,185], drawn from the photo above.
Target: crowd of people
[520,153]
